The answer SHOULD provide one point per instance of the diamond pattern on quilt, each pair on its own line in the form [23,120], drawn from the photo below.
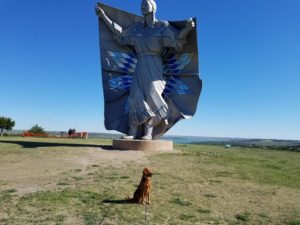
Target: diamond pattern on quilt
[176,63]
[124,60]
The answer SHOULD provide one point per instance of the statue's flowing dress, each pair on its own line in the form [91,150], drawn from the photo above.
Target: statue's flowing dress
[148,83]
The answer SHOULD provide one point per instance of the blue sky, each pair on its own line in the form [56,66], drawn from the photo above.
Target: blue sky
[249,63]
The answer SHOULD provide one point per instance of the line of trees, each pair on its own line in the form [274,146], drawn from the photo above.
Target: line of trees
[6,123]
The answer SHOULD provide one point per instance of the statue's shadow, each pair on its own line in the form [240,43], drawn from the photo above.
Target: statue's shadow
[33,144]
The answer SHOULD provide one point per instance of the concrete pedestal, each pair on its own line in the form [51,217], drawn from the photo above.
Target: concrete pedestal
[141,145]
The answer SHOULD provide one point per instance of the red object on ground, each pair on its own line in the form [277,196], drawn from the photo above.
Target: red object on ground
[29,134]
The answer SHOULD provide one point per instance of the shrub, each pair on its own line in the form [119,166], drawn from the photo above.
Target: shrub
[36,129]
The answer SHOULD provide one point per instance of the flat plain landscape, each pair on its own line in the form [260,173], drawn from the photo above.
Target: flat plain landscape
[52,181]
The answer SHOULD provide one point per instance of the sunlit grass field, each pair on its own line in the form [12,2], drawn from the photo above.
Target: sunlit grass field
[72,181]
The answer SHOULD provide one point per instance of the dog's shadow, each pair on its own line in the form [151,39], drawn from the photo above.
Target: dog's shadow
[123,201]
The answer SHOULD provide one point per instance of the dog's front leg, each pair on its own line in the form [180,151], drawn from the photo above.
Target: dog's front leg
[148,199]
[144,196]
[143,200]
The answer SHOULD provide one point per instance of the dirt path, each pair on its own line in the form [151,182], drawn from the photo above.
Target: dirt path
[43,168]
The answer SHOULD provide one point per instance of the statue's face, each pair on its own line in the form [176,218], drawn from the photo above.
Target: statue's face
[146,8]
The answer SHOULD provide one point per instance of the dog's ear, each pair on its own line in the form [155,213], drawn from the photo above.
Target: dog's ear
[147,171]
[150,173]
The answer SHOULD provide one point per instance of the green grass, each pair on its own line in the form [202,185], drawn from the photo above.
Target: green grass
[243,216]
[181,202]
[77,178]
[294,222]
[63,183]
[204,210]
[258,165]
[197,184]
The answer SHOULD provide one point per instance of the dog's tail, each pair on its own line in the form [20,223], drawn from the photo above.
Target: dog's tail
[129,199]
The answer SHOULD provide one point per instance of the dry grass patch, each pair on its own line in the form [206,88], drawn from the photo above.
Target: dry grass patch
[71,182]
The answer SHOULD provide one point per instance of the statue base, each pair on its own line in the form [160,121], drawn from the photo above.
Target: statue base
[142,145]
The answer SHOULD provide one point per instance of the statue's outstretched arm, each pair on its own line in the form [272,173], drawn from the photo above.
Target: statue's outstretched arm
[114,27]
[190,25]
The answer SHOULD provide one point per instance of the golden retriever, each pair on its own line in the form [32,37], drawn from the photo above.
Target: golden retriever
[142,193]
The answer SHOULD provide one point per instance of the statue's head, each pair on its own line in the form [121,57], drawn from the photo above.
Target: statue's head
[148,7]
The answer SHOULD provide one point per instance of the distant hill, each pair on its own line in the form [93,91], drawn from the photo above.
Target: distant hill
[290,145]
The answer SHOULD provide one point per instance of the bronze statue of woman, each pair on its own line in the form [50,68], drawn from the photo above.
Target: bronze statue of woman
[149,108]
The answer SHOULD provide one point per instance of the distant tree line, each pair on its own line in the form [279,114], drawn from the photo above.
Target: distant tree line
[7,123]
